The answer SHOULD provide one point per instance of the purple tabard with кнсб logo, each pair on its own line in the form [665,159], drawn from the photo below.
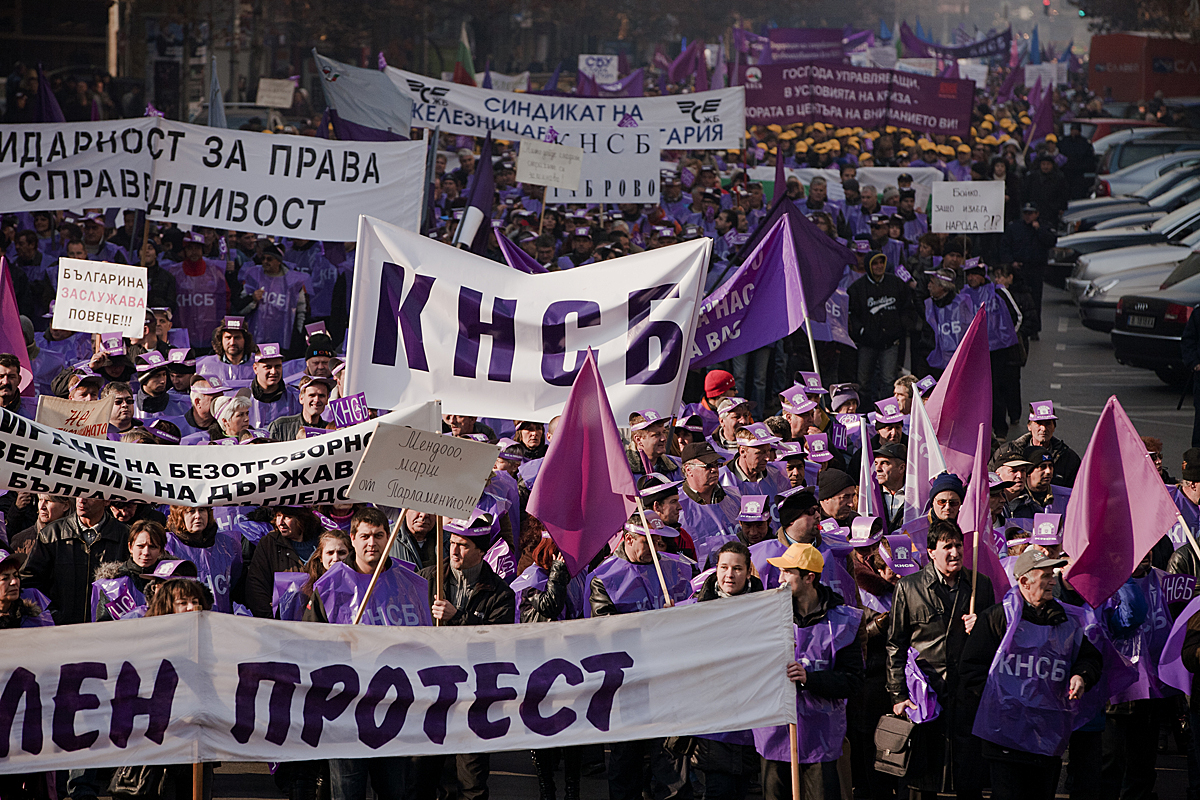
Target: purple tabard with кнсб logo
[218,566]
[635,587]
[401,596]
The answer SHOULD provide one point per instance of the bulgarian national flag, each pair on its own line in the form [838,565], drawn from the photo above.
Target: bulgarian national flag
[464,66]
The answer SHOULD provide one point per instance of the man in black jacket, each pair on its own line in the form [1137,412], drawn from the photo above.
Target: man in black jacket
[63,562]
[1026,245]
[1017,773]
[880,311]
[930,612]
[285,549]
[475,595]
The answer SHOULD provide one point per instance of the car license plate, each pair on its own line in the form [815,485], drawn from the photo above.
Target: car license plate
[1140,322]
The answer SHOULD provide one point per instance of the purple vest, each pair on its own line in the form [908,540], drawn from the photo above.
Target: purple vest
[263,414]
[1144,648]
[43,618]
[120,598]
[201,300]
[635,587]
[834,575]
[322,274]
[771,483]
[949,325]
[272,320]
[710,526]
[401,596]
[820,721]
[534,577]
[219,566]
[1000,329]
[237,375]
[1024,704]
[287,601]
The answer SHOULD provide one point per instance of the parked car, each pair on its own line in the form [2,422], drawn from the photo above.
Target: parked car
[238,114]
[1096,128]
[1130,180]
[1179,195]
[1101,279]
[1128,149]
[1173,227]
[1170,176]
[1150,325]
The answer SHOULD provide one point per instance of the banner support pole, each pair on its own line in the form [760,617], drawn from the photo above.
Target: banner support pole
[440,586]
[668,602]
[812,347]
[362,607]
[974,567]
[198,781]
[794,741]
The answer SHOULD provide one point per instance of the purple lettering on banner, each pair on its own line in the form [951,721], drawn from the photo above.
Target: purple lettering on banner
[642,330]
[375,735]
[346,411]
[319,706]
[69,701]
[804,44]
[540,681]
[446,678]
[613,665]
[128,704]
[395,318]
[284,676]
[1178,588]
[21,684]
[554,338]
[991,46]
[488,692]
[810,91]
[502,329]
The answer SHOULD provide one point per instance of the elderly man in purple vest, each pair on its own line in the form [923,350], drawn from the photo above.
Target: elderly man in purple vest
[270,397]
[648,445]
[752,472]
[626,582]
[827,670]
[707,510]
[399,598]
[1027,664]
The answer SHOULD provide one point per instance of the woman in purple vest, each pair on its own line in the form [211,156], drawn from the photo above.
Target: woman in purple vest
[727,760]
[1027,664]
[827,670]
[294,589]
[546,593]
[193,535]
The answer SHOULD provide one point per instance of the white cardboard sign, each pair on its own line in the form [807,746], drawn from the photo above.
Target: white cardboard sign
[546,164]
[99,297]
[968,207]
[602,69]
[275,92]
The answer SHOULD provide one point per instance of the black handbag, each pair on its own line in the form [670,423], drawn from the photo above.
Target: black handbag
[139,781]
[893,745]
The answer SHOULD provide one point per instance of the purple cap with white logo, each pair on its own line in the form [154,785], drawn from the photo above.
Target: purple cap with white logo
[812,383]
[113,344]
[926,384]
[888,412]
[1046,529]
[755,508]
[150,361]
[649,417]
[1041,411]
[796,400]
[818,448]
[268,351]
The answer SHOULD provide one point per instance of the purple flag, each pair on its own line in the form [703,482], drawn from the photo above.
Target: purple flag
[1171,670]
[962,399]
[919,691]
[822,260]
[924,461]
[552,84]
[518,258]
[1119,508]
[48,109]
[975,515]
[475,225]
[12,338]
[689,62]
[802,44]
[590,494]
[914,47]
[487,75]
[1043,114]
[1010,84]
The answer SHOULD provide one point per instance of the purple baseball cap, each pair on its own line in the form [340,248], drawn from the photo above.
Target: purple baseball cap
[215,385]
[812,383]
[818,448]
[796,400]
[113,344]
[755,508]
[181,568]
[888,412]
[657,526]
[150,361]
[757,434]
[901,559]
[1041,411]
[268,351]
[926,384]
[649,417]
[234,323]
[656,483]
[865,531]
[313,329]
[789,451]
[178,357]
[193,237]
[1046,529]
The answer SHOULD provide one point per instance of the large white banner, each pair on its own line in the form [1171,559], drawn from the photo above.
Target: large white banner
[703,120]
[428,320]
[294,186]
[215,687]
[312,471]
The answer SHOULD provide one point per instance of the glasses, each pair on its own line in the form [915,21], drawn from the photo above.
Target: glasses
[122,401]
[706,467]
[1156,456]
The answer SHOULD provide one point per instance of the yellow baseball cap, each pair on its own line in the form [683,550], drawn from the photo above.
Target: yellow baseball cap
[865,157]
[801,147]
[962,148]
[775,129]
[800,556]
[819,126]
[1050,137]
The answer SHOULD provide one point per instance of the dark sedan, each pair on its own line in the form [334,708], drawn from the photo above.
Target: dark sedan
[1149,326]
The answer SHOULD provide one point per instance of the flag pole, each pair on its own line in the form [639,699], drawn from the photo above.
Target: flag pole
[197,781]
[1188,533]
[794,742]
[667,601]
[974,567]
[812,347]
[362,607]
[440,586]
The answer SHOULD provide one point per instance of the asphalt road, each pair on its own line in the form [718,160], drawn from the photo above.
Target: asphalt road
[1075,368]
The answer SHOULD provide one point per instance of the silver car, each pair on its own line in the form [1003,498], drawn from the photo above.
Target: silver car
[1132,179]
[1100,279]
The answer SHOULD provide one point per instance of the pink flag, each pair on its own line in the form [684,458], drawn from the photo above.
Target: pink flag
[12,338]
[962,399]
[975,515]
[516,257]
[1118,509]
[870,496]
[584,493]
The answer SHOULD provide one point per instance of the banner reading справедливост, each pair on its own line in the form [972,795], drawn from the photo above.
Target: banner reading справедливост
[312,471]
[218,687]
[429,320]
[292,186]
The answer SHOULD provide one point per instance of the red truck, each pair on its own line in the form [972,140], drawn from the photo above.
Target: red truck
[1136,65]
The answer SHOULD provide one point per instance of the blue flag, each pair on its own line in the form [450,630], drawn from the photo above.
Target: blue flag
[216,99]
[1035,49]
